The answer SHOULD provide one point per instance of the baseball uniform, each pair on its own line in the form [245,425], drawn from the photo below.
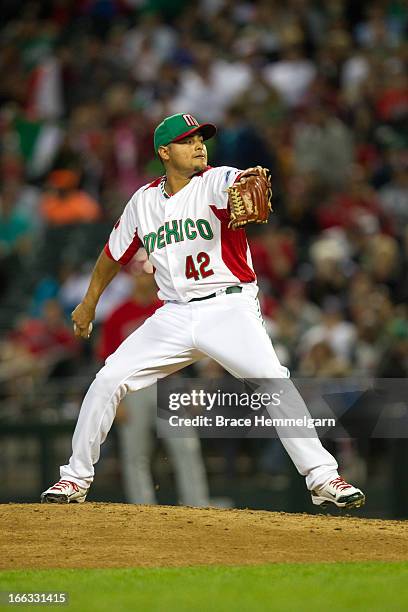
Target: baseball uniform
[195,255]
[205,276]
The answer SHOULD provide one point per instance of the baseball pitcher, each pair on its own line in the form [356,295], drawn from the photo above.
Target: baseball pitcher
[191,221]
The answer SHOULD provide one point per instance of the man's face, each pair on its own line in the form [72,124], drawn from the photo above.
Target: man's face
[186,156]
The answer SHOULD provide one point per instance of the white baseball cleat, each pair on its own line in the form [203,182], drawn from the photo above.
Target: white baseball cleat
[340,493]
[64,492]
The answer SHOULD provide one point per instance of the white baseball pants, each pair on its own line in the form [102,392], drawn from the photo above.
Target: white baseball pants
[227,328]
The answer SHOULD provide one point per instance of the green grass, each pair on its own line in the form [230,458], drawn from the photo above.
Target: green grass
[282,587]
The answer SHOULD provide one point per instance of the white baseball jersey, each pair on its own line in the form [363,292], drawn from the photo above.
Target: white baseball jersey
[186,236]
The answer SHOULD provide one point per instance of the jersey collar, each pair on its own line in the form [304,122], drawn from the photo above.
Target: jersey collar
[163,182]
[162,189]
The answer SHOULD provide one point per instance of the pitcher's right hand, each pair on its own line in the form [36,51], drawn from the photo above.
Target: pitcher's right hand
[82,318]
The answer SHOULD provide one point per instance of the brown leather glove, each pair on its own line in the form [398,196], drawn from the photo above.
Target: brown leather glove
[250,198]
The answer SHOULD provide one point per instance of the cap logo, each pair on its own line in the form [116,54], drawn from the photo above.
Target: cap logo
[190,120]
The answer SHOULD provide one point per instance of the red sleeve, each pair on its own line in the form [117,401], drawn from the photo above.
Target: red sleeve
[107,251]
[123,240]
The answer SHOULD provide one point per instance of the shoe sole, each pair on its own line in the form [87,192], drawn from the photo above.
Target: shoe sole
[355,501]
[50,498]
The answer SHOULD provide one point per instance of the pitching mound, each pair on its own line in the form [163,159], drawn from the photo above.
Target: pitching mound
[118,535]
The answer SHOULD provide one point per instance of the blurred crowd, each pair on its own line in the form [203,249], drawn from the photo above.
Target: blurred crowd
[314,90]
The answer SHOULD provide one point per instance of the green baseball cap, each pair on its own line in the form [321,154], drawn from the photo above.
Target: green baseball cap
[179,126]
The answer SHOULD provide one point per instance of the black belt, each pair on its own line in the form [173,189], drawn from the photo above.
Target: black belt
[228,290]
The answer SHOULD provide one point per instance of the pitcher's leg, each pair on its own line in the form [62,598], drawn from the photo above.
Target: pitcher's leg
[162,345]
[239,342]
[230,330]
[311,460]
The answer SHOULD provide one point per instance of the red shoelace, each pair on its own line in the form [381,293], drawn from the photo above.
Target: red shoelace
[63,484]
[340,483]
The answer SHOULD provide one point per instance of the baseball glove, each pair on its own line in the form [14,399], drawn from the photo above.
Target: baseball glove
[250,198]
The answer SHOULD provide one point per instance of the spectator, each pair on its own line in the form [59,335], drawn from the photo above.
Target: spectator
[321,361]
[128,315]
[16,236]
[382,260]
[16,229]
[394,361]
[293,73]
[330,255]
[323,146]
[334,330]
[238,139]
[274,257]
[355,206]
[394,198]
[296,302]
[65,204]
[45,346]
[74,286]
[202,88]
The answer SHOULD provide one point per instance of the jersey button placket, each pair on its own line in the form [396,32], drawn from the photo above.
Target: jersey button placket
[171,256]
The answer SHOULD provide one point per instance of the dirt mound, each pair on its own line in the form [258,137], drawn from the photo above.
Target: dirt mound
[118,535]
